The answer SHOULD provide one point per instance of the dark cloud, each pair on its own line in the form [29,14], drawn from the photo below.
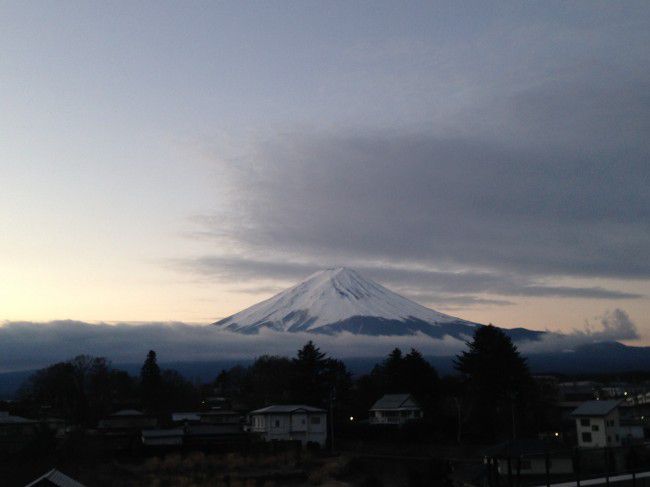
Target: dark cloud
[418,284]
[544,175]
[448,202]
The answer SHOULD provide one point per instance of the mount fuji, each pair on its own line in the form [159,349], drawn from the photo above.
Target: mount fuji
[339,300]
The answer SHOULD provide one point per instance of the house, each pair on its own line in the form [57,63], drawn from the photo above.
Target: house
[290,422]
[163,437]
[15,431]
[184,418]
[211,435]
[220,417]
[631,432]
[207,417]
[598,423]
[57,425]
[529,457]
[395,409]
[54,478]
[196,435]
[127,419]
[122,430]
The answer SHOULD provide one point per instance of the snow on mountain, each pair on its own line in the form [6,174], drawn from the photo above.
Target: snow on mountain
[340,299]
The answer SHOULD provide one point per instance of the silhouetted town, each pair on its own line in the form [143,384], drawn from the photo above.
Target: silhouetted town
[306,420]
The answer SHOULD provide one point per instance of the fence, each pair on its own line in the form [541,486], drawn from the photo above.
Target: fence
[628,465]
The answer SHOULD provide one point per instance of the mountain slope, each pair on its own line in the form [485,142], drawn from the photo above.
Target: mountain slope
[337,300]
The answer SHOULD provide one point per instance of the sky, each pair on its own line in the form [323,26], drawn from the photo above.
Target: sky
[180,161]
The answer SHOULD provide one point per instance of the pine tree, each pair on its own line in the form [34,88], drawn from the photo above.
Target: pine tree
[498,382]
[309,367]
[150,383]
[317,378]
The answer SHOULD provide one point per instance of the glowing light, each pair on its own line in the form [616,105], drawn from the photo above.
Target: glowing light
[351,418]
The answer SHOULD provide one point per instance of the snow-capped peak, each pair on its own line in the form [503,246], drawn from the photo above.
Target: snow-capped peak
[329,298]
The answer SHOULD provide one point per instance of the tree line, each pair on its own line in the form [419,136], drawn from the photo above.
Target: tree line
[492,394]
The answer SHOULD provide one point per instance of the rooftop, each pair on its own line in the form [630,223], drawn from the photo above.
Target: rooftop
[395,401]
[128,412]
[5,418]
[56,478]
[288,409]
[596,408]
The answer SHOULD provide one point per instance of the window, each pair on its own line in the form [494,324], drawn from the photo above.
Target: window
[586,437]
[584,421]
[617,438]
[594,427]
[525,464]
[314,420]
[277,423]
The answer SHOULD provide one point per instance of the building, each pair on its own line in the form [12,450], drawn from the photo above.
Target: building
[214,435]
[54,478]
[598,423]
[196,435]
[207,417]
[163,437]
[395,409]
[122,430]
[15,431]
[291,422]
[127,419]
[220,417]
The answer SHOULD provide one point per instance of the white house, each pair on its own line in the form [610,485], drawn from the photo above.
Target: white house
[395,409]
[598,424]
[291,422]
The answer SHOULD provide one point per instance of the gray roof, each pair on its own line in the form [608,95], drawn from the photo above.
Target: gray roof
[288,409]
[596,408]
[213,429]
[219,412]
[128,412]
[162,433]
[395,401]
[186,416]
[5,418]
[54,477]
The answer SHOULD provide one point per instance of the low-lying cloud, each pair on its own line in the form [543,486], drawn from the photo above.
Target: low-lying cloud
[29,345]
[611,326]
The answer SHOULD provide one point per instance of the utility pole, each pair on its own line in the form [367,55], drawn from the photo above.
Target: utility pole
[459,417]
[331,418]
